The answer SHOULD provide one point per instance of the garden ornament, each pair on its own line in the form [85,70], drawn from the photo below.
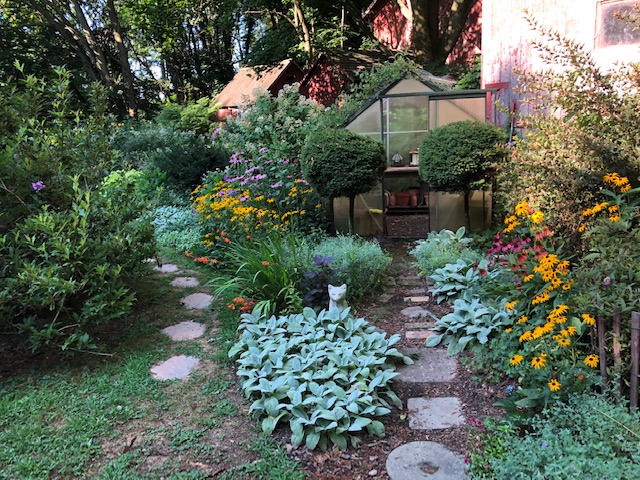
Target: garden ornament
[337,297]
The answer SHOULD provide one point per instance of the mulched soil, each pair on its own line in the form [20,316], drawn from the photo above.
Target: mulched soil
[368,461]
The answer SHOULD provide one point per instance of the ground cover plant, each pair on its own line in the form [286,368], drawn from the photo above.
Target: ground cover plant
[325,374]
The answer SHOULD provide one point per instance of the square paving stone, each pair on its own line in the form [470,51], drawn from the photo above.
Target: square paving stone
[434,413]
[432,366]
[418,334]
[176,368]
[184,331]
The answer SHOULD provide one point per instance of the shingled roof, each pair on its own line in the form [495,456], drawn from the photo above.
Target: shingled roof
[247,80]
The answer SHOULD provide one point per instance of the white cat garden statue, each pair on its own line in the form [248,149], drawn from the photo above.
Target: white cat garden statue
[337,297]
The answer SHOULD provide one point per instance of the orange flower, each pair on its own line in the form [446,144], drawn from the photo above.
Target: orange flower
[226,240]
[213,261]
[188,254]
[265,263]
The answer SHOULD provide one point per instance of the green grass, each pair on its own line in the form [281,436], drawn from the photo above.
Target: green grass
[75,417]
[51,425]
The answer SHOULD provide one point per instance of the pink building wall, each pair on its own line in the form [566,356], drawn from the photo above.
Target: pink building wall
[507,40]
[324,83]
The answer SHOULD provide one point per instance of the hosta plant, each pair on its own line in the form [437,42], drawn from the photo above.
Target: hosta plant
[452,280]
[326,375]
[471,320]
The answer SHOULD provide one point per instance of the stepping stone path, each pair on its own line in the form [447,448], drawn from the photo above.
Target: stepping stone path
[166,268]
[179,367]
[185,282]
[184,331]
[426,460]
[176,368]
[197,301]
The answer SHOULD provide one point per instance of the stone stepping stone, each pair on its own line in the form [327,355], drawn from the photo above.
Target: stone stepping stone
[425,461]
[419,299]
[434,413]
[166,268]
[385,297]
[415,312]
[417,291]
[197,301]
[184,331]
[418,334]
[410,281]
[185,282]
[432,366]
[176,368]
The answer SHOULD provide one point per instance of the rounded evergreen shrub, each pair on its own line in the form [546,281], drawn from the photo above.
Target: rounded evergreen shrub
[341,163]
[460,157]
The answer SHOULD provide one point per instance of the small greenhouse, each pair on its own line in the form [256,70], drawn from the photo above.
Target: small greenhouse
[400,116]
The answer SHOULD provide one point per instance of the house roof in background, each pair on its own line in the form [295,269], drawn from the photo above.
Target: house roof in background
[351,61]
[247,79]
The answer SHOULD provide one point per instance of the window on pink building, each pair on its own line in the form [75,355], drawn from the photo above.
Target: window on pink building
[612,30]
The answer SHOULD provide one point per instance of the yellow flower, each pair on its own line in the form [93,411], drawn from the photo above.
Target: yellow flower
[538,362]
[511,305]
[563,341]
[526,336]
[543,297]
[537,217]
[614,218]
[522,209]
[528,278]
[591,360]
[510,219]
[588,319]
[625,188]
[516,359]
[508,330]
[581,228]
[511,227]
[523,319]
[554,385]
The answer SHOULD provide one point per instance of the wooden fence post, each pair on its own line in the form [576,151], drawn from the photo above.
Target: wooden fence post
[617,349]
[635,354]
[601,348]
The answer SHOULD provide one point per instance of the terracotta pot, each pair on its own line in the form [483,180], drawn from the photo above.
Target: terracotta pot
[403,198]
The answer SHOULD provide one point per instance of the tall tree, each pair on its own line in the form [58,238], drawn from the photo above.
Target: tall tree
[437,26]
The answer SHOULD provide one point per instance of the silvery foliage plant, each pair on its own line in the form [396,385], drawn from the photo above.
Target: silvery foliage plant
[326,374]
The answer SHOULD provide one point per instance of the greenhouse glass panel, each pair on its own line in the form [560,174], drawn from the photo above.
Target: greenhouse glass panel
[444,111]
[408,85]
[368,122]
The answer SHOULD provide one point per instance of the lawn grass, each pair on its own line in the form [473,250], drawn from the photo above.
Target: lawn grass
[105,417]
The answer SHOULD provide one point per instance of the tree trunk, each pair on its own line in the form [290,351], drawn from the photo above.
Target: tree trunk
[436,33]
[123,56]
[467,216]
[299,19]
[352,203]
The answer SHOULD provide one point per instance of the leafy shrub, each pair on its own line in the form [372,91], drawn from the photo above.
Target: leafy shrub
[268,272]
[279,124]
[182,156]
[325,374]
[488,441]
[587,437]
[341,163]
[359,263]
[559,162]
[460,156]
[177,229]
[70,239]
[442,248]
[196,116]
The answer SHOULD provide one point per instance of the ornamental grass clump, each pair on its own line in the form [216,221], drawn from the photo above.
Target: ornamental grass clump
[327,375]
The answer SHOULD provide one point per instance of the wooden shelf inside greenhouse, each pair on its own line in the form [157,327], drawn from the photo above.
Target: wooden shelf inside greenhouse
[401,170]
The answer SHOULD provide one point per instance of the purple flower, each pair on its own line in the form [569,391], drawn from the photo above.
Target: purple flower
[606,282]
[243,198]
[544,445]
[185,152]
[260,176]
[276,185]
[285,161]
[39,185]
[263,150]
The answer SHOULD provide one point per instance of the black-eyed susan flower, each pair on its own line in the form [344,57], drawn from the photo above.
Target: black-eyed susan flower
[563,341]
[554,385]
[538,362]
[591,360]
[516,359]
[588,319]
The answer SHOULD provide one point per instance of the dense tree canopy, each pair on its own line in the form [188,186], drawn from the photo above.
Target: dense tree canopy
[148,51]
